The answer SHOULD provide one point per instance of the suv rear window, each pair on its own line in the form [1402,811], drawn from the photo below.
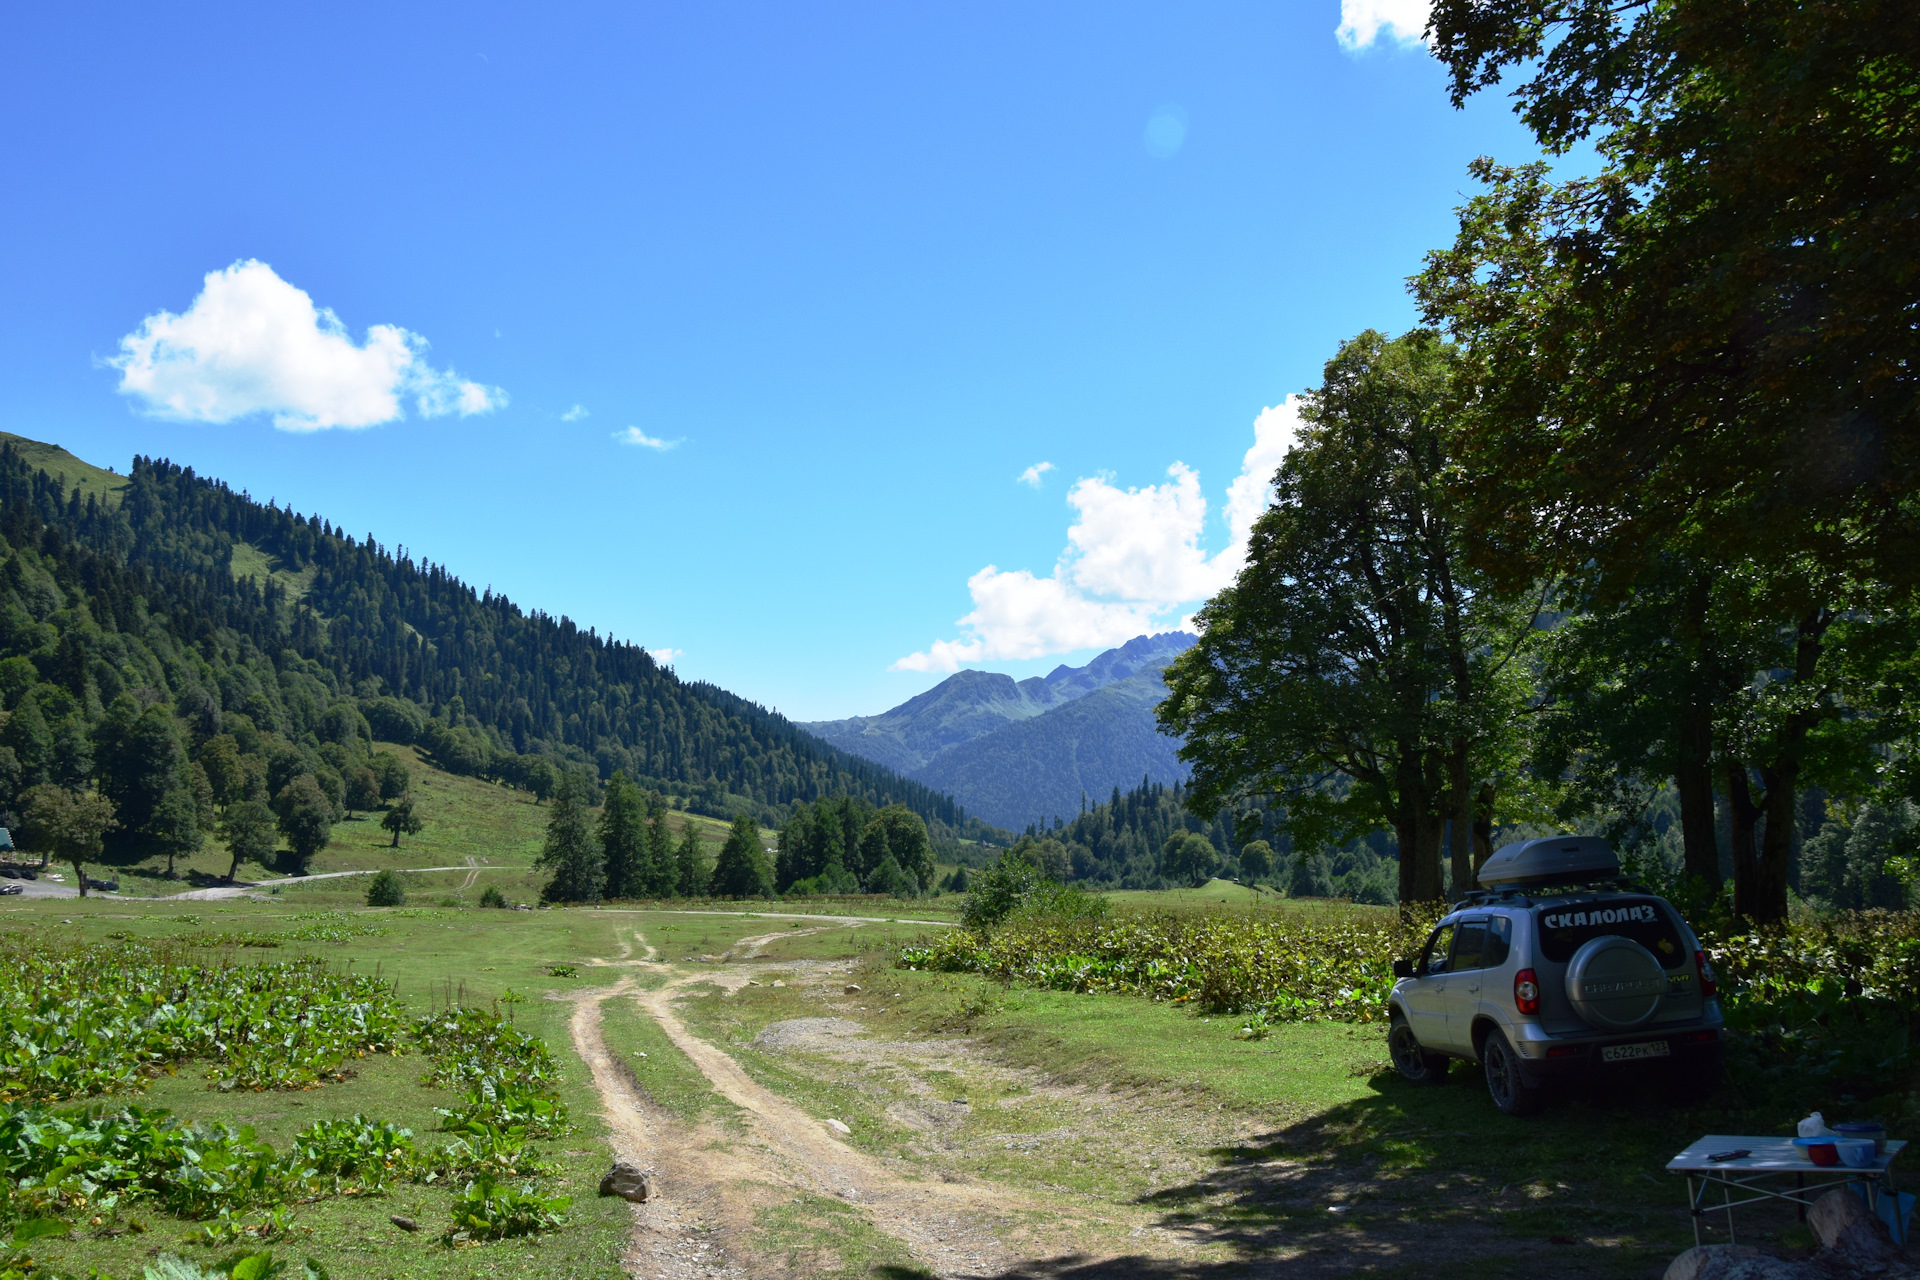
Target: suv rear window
[1564,930]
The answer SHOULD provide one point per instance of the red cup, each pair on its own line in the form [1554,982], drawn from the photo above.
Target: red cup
[1824,1154]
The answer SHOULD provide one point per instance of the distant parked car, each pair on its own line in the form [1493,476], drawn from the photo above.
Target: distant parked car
[7,889]
[104,886]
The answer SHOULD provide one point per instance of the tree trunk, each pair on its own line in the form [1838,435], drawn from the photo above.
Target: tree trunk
[80,875]
[1482,826]
[1693,778]
[1741,818]
[1460,819]
[1776,844]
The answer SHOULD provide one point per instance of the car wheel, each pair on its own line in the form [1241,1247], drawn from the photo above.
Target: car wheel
[1413,1061]
[1505,1083]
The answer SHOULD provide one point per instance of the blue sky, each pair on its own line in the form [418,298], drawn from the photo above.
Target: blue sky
[729,329]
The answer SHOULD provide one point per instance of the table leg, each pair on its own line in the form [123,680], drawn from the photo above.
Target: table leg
[1693,1204]
[1726,1194]
[1800,1185]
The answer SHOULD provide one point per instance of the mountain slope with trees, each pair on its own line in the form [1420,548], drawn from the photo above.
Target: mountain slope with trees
[190,652]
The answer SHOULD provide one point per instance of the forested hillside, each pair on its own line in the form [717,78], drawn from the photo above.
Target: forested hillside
[177,592]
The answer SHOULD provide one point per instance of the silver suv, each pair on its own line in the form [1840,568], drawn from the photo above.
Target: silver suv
[1557,969]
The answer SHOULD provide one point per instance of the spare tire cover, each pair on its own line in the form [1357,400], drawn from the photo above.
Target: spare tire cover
[1614,983]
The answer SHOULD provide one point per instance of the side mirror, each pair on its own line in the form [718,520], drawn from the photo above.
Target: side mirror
[1403,968]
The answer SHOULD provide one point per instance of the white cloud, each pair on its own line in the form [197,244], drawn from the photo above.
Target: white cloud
[1363,21]
[664,657]
[635,436]
[1133,559]
[252,343]
[576,413]
[1031,476]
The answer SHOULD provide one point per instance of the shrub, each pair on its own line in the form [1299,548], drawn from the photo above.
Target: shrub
[489,1211]
[492,897]
[387,890]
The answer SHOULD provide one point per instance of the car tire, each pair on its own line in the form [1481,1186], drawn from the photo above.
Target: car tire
[1412,1060]
[1506,1082]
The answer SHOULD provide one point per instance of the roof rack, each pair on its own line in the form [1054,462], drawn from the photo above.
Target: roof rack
[1524,896]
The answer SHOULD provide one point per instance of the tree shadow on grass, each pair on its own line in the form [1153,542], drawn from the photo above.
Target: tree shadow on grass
[1412,1179]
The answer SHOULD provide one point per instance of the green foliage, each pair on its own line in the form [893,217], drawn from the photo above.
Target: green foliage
[492,897]
[1333,965]
[1256,860]
[1013,886]
[305,816]
[386,889]
[622,831]
[840,844]
[101,1019]
[570,851]
[401,819]
[509,1075]
[248,827]
[1361,553]
[1189,859]
[490,1211]
[742,869]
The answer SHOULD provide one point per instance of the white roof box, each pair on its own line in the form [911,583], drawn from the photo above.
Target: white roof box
[1550,860]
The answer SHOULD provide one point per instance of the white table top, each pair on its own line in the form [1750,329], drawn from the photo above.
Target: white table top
[1770,1155]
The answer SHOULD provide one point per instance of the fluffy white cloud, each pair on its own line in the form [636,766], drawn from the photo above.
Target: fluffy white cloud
[576,413]
[1133,559]
[1031,476]
[664,657]
[635,436]
[1364,21]
[252,343]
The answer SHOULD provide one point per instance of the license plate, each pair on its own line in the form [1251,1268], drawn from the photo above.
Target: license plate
[1628,1052]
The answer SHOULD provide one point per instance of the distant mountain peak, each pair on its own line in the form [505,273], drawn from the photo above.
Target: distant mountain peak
[970,726]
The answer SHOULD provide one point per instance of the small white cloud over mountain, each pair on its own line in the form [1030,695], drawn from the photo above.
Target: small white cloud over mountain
[1134,560]
[251,343]
[1031,476]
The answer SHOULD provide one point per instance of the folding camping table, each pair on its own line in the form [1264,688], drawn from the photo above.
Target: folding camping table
[1764,1175]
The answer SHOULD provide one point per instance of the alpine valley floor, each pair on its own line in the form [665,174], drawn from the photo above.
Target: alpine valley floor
[805,1109]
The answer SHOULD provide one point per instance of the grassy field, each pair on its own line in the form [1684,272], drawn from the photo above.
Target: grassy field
[1165,1142]
[469,823]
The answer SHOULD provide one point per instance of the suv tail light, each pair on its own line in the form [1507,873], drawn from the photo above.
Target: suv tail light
[1526,991]
[1708,987]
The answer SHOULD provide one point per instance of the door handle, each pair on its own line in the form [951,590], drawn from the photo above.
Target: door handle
[1473,987]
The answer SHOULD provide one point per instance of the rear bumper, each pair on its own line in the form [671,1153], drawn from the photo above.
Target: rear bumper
[1694,1048]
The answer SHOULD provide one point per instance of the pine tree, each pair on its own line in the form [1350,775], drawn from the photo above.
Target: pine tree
[691,863]
[663,870]
[742,870]
[623,838]
[570,852]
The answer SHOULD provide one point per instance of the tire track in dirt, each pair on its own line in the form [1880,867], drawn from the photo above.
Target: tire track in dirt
[952,1228]
[673,1236]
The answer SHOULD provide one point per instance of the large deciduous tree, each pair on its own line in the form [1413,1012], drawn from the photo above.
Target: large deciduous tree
[67,825]
[305,816]
[1357,672]
[1714,336]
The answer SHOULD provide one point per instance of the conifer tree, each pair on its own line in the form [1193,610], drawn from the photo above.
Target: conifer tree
[742,870]
[570,852]
[623,838]
[691,864]
[663,869]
